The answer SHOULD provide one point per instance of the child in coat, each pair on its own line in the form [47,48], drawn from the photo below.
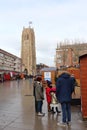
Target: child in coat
[48,96]
[54,101]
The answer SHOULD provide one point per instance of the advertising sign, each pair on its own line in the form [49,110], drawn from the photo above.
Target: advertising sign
[47,76]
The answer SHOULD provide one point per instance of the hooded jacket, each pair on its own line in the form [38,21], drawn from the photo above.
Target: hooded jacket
[39,92]
[64,88]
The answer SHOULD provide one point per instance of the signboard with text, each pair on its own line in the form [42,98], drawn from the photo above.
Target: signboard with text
[47,76]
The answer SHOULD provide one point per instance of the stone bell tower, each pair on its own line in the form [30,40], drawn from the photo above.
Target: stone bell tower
[28,51]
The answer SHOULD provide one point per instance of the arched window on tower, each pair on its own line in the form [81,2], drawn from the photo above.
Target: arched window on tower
[24,36]
[27,36]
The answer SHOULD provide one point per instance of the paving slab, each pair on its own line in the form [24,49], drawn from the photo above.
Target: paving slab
[17,110]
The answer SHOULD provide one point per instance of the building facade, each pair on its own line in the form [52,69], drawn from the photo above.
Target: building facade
[68,54]
[9,62]
[39,67]
[28,51]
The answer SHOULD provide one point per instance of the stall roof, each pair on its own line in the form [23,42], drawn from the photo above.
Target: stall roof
[81,56]
[49,69]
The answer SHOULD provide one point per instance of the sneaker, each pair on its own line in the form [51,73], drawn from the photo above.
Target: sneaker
[69,123]
[40,114]
[43,113]
[61,124]
[53,112]
[58,112]
[49,110]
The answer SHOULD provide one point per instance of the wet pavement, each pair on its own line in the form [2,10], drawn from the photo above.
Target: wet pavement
[17,110]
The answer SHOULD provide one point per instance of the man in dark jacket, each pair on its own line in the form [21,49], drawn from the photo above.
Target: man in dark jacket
[64,89]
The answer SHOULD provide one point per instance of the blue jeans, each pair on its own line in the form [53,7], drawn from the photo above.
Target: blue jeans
[66,112]
[39,106]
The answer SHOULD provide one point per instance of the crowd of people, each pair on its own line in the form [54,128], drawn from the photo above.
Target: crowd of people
[61,93]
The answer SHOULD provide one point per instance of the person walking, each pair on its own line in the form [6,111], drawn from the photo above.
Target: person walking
[34,87]
[18,79]
[64,90]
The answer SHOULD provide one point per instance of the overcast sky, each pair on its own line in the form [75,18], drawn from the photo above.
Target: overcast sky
[53,21]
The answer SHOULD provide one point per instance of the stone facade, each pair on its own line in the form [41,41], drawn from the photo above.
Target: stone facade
[28,51]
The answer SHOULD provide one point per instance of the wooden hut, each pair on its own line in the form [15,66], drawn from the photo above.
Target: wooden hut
[49,74]
[83,84]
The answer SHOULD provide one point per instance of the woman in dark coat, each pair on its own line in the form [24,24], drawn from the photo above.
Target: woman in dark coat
[64,89]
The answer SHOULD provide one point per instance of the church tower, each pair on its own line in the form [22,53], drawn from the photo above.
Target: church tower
[28,51]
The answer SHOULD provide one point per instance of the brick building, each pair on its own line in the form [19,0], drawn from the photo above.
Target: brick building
[68,54]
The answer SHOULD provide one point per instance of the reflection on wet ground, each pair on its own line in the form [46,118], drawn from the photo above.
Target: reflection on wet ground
[17,110]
